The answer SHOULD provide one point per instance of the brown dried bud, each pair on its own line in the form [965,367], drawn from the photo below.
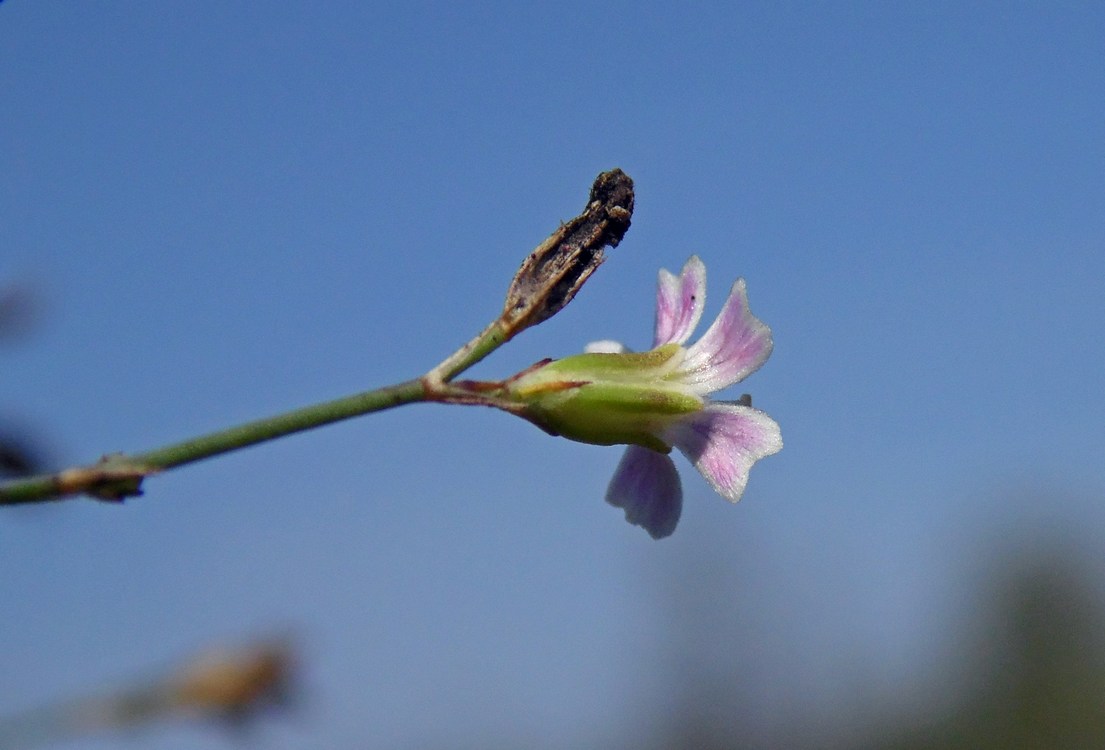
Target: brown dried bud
[553,273]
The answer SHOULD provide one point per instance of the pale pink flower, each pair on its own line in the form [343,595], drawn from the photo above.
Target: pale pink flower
[723,438]
[660,399]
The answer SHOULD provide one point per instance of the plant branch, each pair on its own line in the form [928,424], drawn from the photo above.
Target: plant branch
[548,279]
[117,476]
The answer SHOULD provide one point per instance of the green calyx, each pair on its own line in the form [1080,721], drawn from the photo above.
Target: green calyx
[606,399]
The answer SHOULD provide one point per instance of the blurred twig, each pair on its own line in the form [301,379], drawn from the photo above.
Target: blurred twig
[225,686]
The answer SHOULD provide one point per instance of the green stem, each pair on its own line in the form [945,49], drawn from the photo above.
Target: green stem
[288,423]
[119,476]
[492,337]
[32,489]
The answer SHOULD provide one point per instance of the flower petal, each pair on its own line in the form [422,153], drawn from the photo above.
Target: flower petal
[646,485]
[606,346]
[723,441]
[679,302]
[733,348]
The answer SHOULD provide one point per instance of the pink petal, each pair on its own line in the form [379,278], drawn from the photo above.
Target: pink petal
[733,348]
[646,485]
[723,441]
[679,302]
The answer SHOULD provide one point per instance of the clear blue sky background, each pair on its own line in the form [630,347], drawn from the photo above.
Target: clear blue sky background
[230,209]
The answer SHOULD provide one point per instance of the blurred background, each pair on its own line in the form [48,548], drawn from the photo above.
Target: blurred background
[212,212]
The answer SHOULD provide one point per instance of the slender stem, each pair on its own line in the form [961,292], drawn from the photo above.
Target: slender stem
[288,423]
[118,476]
[33,489]
[317,415]
[490,339]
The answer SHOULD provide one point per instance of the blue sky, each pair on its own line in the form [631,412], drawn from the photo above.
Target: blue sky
[228,210]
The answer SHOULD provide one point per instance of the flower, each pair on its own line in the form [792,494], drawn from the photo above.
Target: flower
[656,400]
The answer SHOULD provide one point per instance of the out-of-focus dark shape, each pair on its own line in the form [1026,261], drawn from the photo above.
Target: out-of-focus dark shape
[18,457]
[234,685]
[1038,662]
[1026,672]
[18,310]
[228,686]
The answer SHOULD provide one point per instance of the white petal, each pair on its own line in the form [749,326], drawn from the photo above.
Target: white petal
[606,346]
[646,485]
